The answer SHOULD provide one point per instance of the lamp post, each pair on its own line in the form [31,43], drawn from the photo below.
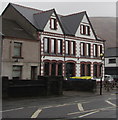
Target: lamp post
[101,56]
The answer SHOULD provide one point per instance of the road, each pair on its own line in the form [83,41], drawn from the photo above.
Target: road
[62,107]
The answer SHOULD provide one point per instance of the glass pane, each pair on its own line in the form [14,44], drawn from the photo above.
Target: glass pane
[45,44]
[60,69]
[52,23]
[67,47]
[82,49]
[52,45]
[16,51]
[72,48]
[82,70]
[53,70]
[17,71]
[46,68]
[87,49]
[59,46]
[95,70]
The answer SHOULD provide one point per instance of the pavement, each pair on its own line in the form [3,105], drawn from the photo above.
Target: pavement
[89,94]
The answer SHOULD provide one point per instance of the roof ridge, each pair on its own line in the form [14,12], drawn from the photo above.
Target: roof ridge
[43,11]
[26,7]
[74,14]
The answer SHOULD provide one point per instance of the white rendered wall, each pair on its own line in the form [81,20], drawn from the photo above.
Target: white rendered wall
[85,22]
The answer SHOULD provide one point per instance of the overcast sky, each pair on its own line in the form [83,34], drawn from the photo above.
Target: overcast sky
[97,9]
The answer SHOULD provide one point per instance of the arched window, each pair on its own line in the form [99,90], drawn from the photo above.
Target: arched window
[46,68]
[70,69]
[95,70]
[60,65]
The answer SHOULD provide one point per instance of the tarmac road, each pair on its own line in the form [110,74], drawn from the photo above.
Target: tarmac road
[67,106]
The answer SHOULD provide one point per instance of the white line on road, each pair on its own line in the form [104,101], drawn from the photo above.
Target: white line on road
[12,109]
[35,114]
[91,110]
[88,114]
[111,103]
[80,107]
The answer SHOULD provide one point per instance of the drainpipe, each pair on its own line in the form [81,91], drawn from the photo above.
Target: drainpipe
[1,52]
[39,38]
[64,56]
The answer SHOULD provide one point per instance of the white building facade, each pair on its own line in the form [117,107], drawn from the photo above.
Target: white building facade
[63,45]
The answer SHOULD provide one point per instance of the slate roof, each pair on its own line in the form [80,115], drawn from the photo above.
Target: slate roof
[111,52]
[42,18]
[39,18]
[11,29]
[27,13]
[71,23]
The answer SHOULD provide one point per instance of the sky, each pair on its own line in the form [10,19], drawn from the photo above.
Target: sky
[97,8]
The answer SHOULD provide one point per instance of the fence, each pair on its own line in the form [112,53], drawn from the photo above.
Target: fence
[44,86]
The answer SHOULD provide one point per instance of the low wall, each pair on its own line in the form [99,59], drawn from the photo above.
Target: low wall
[44,86]
[79,85]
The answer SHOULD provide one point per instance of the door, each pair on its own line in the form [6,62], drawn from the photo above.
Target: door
[33,72]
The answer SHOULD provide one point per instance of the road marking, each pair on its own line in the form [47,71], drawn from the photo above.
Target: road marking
[88,114]
[12,109]
[80,107]
[90,110]
[111,103]
[35,114]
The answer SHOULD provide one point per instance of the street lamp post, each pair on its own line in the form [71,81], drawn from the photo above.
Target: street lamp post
[101,56]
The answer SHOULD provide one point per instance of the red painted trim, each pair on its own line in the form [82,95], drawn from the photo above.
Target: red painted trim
[46,60]
[70,61]
[71,37]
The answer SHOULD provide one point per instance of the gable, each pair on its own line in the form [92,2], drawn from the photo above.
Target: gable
[71,22]
[85,29]
[53,25]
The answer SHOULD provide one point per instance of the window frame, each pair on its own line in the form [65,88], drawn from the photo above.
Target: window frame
[85,29]
[59,47]
[48,44]
[53,23]
[20,70]
[18,47]
[112,60]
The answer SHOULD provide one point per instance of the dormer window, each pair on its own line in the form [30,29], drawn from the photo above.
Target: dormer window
[85,30]
[53,23]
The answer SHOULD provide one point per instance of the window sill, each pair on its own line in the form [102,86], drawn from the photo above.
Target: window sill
[17,57]
[85,35]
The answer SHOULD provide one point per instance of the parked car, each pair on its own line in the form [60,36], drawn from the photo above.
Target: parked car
[115,77]
[108,78]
